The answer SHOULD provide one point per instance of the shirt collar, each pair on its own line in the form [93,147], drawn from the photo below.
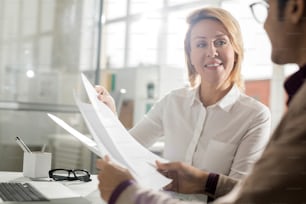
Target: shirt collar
[225,103]
[195,95]
[229,99]
[294,82]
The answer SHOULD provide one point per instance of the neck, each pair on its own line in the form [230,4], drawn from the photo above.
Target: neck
[210,94]
[299,44]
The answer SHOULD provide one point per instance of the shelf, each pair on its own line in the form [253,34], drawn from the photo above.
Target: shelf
[24,106]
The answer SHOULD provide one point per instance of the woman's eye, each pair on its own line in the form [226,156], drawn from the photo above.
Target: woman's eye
[201,45]
[219,43]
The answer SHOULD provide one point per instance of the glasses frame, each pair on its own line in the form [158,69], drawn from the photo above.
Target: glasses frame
[85,178]
[255,15]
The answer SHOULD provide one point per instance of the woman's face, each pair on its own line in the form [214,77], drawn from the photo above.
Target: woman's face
[212,53]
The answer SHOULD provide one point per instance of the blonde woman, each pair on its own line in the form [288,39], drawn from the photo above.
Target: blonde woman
[211,125]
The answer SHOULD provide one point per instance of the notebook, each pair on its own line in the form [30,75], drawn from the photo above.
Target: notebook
[54,192]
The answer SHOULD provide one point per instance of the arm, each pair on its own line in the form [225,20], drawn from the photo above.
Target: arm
[116,183]
[150,128]
[190,180]
[135,194]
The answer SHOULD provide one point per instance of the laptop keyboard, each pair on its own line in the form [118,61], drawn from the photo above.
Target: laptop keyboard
[20,192]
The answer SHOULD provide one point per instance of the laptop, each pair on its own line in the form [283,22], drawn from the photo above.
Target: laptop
[54,192]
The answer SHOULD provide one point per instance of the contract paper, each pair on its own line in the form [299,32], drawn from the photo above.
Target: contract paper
[112,139]
[90,144]
[119,143]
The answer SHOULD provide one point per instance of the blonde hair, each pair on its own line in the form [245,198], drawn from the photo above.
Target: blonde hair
[232,27]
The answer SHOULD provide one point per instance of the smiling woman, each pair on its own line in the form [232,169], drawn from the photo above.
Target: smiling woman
[212,124]
[212,56]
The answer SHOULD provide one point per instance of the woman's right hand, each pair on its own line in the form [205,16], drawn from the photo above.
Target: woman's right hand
[106,98]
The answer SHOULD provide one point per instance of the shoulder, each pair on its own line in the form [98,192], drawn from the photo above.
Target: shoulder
[175,99]
[249,103]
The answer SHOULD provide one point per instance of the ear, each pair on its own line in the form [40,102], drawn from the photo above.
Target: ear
[296,9]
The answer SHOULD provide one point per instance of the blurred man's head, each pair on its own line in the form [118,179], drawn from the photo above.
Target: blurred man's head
[286,28]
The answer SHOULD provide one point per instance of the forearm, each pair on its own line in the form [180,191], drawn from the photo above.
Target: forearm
[137,194]
[130,192]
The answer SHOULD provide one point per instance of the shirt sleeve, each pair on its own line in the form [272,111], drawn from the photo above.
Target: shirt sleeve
[150,128]
[252,144]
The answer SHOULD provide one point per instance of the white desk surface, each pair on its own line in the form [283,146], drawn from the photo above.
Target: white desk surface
[88,190]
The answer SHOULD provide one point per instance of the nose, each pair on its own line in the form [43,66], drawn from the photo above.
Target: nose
[212,51]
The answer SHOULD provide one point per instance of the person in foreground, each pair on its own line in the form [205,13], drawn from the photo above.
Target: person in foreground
[279,175]
[211,125]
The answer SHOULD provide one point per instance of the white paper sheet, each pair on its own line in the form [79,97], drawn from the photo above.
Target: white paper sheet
[111,138]
[91,145]
[99,133]
[121,145]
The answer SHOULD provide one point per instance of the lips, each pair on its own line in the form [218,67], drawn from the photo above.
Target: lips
[213,65]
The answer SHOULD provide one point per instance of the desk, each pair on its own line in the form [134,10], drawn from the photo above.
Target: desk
[89,190]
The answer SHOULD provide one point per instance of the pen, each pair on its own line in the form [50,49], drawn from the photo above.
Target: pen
[43,148]
[23,146]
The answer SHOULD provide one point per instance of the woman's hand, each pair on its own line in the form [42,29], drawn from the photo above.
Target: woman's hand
[186,179]
[106,98]
[110,176]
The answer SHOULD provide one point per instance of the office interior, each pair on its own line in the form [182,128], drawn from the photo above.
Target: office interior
[132,47]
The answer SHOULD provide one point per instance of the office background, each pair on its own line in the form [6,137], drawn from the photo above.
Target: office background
[133,47]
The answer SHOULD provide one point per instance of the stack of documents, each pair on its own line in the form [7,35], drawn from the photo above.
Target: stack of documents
[111,138]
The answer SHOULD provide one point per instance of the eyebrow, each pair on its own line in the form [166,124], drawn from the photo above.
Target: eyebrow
[203,37]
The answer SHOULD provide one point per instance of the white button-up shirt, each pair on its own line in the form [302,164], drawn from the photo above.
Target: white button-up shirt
[227,137]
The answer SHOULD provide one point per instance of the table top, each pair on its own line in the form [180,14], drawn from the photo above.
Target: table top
[88,190]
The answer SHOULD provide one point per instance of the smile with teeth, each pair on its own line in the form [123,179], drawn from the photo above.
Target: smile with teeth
[212,65]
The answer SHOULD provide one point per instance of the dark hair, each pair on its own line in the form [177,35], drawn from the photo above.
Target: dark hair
[281,8]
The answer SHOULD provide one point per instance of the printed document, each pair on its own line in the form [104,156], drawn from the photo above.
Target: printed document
[111,138]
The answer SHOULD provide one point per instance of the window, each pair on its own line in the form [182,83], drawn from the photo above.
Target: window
[143,6]
[115,8]
[177,28]
[114,38]
[143,40]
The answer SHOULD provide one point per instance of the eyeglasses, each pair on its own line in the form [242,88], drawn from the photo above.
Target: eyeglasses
[260,11]
[70,175]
